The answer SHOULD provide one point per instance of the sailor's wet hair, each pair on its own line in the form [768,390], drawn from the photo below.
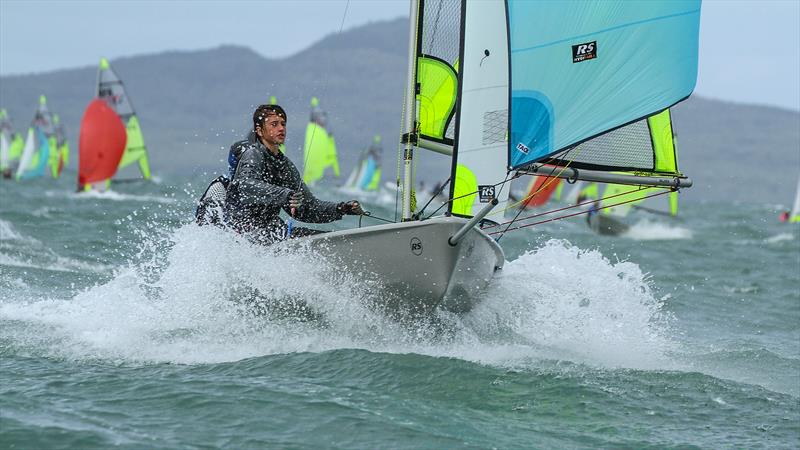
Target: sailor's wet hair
[263,111]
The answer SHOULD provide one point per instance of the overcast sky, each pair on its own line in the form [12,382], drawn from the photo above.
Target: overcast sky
[749,50]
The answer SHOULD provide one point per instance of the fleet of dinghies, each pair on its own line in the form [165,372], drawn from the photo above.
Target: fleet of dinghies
[103,151]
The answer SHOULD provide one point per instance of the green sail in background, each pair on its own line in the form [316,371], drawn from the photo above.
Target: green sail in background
[319,149]
[59,154]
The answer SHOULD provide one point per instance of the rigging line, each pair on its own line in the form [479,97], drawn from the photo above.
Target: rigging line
[576,214]
[577,205]
[441,188]
[372,216]
[325,85]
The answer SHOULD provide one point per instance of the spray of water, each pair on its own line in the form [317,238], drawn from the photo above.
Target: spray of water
[203,295]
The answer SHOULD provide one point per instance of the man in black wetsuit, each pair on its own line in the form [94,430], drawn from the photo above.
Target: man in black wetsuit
[265,181]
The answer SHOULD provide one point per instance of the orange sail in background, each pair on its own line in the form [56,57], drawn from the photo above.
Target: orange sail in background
[102,142]
[540,191]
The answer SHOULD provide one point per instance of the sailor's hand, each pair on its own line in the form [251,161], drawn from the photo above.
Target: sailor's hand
[352,208]
[295,200]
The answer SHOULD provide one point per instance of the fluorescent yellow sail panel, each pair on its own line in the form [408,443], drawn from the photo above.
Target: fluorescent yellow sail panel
[15,150]
[437,96]
[374,183]
[135,150]
[663,142]
[465,191]
[54,158]
[622,193]
[319,153]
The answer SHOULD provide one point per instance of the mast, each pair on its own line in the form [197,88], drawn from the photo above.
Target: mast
[410,117]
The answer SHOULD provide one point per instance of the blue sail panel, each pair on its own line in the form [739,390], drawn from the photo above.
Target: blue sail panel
[580,69]
[44,156]
[367,173]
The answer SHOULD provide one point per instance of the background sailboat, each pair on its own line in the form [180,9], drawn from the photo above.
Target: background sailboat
[11,145]
[40,142]
[319,149]
[111,89]
[366,175]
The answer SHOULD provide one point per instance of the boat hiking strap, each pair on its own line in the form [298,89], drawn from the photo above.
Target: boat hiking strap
[511,222]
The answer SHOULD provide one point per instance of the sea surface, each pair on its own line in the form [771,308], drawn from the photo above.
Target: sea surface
[122,325]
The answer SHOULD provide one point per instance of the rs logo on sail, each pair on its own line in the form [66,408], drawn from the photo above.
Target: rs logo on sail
[583,52]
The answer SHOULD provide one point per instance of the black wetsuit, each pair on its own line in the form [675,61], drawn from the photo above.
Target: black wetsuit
[261,187]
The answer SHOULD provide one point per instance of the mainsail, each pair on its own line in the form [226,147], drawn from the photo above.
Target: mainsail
[319,149]
[111,89]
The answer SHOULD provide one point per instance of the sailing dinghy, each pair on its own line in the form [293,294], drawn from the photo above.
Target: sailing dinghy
[366,175]
[39,144]
[111,90]
[11,145]
[510,88]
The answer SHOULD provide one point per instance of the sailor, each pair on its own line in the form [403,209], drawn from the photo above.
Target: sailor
[266,181]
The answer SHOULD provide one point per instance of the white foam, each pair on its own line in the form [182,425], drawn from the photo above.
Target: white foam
[782,237]
[647,230]
[7,232]
[110,195]
[178,306]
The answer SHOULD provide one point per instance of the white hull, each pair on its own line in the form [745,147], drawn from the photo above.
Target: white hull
[415,266]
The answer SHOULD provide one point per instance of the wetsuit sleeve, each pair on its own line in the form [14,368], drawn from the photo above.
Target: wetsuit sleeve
[252,189]
[316,210]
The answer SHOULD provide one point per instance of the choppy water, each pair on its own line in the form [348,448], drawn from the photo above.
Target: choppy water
[119,327]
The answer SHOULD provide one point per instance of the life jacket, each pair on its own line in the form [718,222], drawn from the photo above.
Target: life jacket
[211,206]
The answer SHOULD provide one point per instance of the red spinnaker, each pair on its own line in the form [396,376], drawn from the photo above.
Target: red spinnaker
[102,142]
[541,190]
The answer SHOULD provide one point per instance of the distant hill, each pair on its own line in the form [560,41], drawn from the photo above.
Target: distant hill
[192,105]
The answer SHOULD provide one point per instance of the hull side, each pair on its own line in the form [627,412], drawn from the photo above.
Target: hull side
[413,263]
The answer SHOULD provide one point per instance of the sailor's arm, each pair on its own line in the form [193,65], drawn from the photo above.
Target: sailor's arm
[315,210]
